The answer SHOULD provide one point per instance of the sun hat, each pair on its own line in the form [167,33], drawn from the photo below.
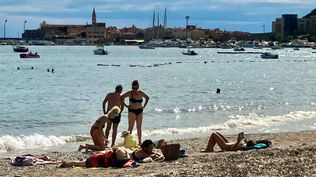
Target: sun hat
[124,133]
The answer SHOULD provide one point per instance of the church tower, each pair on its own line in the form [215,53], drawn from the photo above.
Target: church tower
[94,18]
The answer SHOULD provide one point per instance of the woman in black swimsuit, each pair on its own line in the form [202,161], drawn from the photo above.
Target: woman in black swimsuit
[135,108]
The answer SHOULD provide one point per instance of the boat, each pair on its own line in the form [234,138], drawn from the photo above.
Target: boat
[146,46]
[275,47]
[100,50]
[29,55]
[237,48]
[257,47]
[189,52]
[20,49]
[296,48]
[268,55]
[314,47]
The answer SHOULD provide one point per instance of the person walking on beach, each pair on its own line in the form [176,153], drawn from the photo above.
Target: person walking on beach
[97,133]
[113,99]
[135,108]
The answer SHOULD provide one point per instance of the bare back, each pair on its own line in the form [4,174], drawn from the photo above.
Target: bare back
[113,99]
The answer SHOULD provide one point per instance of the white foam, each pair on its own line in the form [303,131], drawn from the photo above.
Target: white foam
[257,123]
[10,143]
[237,122]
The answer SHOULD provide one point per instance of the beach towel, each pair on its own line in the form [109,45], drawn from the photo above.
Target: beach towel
[260,144]
[29,160]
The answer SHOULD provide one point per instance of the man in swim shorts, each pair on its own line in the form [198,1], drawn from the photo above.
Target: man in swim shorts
[113,99]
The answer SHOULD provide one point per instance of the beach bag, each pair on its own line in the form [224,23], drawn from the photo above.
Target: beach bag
[171,151]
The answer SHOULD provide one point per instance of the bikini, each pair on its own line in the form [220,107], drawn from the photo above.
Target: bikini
[133,100]
[135,158]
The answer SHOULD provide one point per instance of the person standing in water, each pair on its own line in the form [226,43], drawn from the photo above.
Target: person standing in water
[135,108]
[113,99]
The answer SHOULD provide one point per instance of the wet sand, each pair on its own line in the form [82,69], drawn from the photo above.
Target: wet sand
[292,154]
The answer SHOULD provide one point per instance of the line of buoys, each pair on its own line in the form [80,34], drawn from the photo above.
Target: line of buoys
[18,68]
[205,62]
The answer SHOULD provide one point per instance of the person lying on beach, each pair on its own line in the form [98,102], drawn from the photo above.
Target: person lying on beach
[97,132]
[116,157]
[129,141]
[223,143]
[146,151]
[240,144]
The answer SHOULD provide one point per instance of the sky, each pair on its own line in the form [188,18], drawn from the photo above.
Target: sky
[231,15]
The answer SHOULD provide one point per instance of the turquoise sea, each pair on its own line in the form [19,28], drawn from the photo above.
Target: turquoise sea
[40,109]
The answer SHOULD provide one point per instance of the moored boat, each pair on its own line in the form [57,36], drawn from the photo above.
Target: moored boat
[189,52]
[29,55]
[268,55]
[20,49]
[100,50]
[296,48]
[146,46]
[237,48]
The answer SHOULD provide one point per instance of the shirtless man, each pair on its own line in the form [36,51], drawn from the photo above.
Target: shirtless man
[113,99]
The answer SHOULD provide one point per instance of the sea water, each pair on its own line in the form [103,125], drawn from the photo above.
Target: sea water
[45,110]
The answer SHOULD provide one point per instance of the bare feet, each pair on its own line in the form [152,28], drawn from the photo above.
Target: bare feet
[81,147]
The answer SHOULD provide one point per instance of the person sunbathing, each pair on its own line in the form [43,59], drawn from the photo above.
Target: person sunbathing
[146,150]
[224,144]
[115,157]
[97,133]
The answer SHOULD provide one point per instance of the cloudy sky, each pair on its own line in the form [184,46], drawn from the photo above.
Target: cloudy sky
[244,15]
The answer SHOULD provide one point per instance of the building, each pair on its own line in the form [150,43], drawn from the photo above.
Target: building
[290,25]
[55,32]
[285,26]
[96,32]
[277,27]
[307,25]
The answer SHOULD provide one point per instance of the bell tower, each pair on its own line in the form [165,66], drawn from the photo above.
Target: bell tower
[94,18]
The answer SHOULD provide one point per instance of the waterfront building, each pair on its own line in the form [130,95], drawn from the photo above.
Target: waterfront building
[285,26]
[277,27]
[307,25]
[96,32]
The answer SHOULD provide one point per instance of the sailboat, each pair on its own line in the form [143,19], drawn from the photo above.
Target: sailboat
[148,45]
[189,51]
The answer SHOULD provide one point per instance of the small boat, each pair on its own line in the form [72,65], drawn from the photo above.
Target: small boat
[29,55]
[275,47]
[100,50]
[296,48]
[20,49]
[146,46]
[237,48]
[268,55]
[189,52]
[257,47]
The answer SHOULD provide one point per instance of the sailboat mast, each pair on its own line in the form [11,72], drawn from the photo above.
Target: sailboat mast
[165,19]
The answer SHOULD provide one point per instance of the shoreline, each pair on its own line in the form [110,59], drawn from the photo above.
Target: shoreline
[290,155]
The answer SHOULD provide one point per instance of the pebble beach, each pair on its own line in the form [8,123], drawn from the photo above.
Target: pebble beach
[292,154]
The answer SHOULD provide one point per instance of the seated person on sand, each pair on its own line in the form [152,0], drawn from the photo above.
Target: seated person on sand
[116,157]
[146,150]
[240,144]
[97,132]
[129,141]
